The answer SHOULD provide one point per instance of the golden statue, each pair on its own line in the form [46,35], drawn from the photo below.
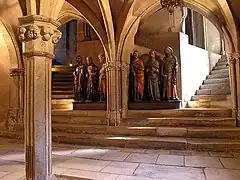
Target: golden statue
[169,72]
[102,87]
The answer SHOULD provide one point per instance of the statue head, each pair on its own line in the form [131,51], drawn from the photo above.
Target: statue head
[152,53]
[89,61]
[135,54]
[168,51]
[79,59]
[102,58]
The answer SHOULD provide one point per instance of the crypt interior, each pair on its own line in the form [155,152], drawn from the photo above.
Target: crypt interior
[120,89]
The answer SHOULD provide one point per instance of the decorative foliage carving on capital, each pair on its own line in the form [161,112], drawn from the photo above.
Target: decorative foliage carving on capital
[16,72]
[116,66]
[32,32]
[234,57]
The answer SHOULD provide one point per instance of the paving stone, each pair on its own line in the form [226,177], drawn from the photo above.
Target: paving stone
[4,173]
[230,163]
[115,156]
[134,178]
[14,176]
[123,168]
[181,152]
[221,174]
[169,172]
[170,160]
[90,175]
[200,161]
[220,154]
[131,150]
[84,164]
[90,153]
[142,158]
[157,151]
[236,155]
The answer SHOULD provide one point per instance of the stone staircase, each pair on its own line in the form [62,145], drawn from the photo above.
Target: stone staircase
[215,91]
[211,129]
[62,87]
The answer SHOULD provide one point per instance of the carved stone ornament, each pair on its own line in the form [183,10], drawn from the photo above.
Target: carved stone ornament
[171,4]
[113,66]
[15,116]
[32,32]
[234,57]
[16,72]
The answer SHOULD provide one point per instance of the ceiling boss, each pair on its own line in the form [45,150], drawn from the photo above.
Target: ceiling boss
[171,4]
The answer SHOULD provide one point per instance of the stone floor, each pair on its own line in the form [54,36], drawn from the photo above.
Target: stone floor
[83,162]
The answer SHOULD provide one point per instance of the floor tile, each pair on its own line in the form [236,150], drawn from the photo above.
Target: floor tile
[90,153]
[59,170]
[200,161]
[63,151]
[142,158]
[122,177]
[90,175]
[169,172]
[84,164]
[170,160]
[181,152]
[123,168]
[236,155]
[14,156]
[156,151]
[230,163]
[4,173]
[199,153]
[115,156]
[220,154]
[222,174]
[14,176]
[130,150]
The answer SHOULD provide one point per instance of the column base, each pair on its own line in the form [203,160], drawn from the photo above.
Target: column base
[113,117]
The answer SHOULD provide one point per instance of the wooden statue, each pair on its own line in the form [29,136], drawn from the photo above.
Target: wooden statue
[92,80]
[137,68]
[102,87]
[169,71]
[152,75]
[79,75]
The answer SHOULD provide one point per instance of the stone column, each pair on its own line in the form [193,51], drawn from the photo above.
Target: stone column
[235,87]
[232,64]
[113,93]
[15,113]
[125,88]
[38,35]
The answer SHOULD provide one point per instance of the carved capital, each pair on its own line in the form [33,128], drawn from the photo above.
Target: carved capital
[45,32]
[234,57]
[16,72]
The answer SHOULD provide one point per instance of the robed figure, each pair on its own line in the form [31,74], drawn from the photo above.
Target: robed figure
[137,67]
[79,75]
[169,71]
[92,80]
[152,75]
[102,88]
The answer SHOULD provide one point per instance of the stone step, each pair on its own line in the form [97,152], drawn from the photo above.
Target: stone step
[62,101]
[62,96]
[62,75]
[189,132]
[220,71]
[209,104]
[181,122]
[187,112]
[209,98]
[213,91]
[225,63]
[62,87]
[62,106]
[217,76]
[222,66]
[62,92]
[223,59]
[215,86]
[62,68]
[217,81]
[63,80]
[79,113]
[62,83]
[85,120]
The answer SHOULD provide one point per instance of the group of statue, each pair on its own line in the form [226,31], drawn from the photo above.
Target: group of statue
[154,80]
[89,81]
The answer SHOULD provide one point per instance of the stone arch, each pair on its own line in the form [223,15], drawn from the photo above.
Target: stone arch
[12,79]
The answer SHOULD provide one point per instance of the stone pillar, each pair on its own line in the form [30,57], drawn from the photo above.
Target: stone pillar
[125,88]
[15,112]
[232,64]
[38,35]
[235,59]
[113,93]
